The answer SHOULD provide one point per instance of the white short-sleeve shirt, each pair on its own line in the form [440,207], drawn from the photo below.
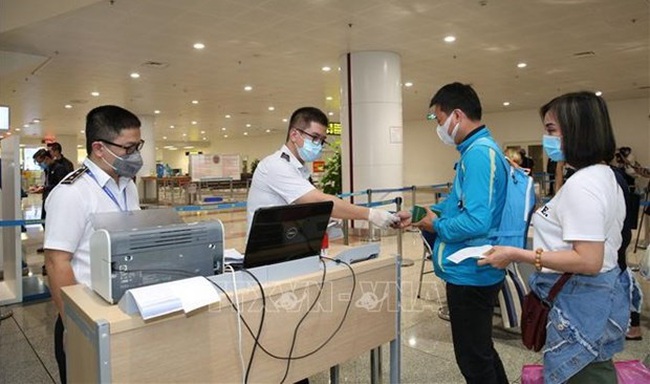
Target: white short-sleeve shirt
[590,206]
[69,207]
[279,179]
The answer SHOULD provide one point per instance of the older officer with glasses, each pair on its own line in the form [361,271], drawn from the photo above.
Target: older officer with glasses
[103,184]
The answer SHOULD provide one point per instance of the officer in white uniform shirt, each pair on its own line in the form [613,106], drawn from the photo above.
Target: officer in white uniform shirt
[103,184]
[282,177]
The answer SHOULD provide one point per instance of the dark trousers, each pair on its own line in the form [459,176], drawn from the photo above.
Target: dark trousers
[470,311]
[635,319]
[59,352]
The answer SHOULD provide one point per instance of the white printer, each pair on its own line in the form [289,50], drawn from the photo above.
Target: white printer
[134,249]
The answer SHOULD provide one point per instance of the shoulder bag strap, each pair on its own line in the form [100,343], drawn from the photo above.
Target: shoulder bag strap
[558,286]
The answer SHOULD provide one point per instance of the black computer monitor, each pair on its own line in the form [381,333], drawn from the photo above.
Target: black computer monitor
[286,232]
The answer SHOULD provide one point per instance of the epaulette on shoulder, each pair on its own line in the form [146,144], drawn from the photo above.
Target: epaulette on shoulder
[74,176]
[285,156]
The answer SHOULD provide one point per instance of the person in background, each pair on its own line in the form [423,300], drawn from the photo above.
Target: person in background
[56,151]
[579,231]
[283,178]
[103,184]
[526,162]
[551,167]
[465,220]
[514,157]
[54,172]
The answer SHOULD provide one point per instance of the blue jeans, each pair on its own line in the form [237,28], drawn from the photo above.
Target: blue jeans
[470,310]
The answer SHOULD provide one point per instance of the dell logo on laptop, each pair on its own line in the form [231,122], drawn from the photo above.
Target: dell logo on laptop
[292,232]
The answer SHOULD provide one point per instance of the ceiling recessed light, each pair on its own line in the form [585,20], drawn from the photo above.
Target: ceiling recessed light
[226,136]
[203,132]
[36,120]
[82,131]
[195,101]
[449,39]
[329,98]
[189,147]
[599,93]
[199,45]
[522,65]
[223,128]
[79,146]
[135,75]
[330,113]
[205,138]
[8,133]
[184,134]
[408,84]
[268,131]
[248,125]
[67,106]
[506,103]
[94,93]
[285,120]
[193,122]
[25,125]
[227,116]
[172,127]
[157,112]
[164,137]
[248,88]
[17,129]
[271,108]
[245,133]
[326,69]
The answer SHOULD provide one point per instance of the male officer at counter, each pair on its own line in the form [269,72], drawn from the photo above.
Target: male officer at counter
[103,184]
[282,178]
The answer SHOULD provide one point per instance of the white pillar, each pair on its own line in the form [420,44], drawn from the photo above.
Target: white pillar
[148,153]
[371,120]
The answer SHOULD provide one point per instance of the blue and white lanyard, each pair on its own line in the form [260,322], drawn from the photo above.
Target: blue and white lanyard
[110,194]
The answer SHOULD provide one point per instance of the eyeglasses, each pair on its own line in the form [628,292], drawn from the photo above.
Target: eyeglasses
[315,138]
[128,148]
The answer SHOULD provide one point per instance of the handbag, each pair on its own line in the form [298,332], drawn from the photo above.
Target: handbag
[534,315]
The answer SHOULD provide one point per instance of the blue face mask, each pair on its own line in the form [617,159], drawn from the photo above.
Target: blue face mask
[310,151]
[553,147]
[43,166]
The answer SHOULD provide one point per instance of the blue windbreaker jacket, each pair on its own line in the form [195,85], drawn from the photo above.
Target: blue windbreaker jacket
[467,217]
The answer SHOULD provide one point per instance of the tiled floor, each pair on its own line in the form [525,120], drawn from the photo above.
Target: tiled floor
[26,341]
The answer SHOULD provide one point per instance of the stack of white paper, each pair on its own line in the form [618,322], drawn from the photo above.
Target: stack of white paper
[161,299]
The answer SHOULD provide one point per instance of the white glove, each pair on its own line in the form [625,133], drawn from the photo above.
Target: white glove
[382,219]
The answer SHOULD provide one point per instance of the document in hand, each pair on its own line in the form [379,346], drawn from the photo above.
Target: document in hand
[466,253]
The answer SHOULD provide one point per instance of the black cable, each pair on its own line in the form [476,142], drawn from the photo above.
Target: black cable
[275,356]
[259,330]
[295,331]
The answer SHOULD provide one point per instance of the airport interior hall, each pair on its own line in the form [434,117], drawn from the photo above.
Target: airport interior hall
[274,191]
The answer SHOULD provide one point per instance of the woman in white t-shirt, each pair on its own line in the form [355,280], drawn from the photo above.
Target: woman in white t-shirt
[579,231]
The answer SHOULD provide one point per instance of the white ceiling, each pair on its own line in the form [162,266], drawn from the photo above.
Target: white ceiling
[56,55]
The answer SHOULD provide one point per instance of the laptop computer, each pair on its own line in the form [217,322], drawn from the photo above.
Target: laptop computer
[286,232]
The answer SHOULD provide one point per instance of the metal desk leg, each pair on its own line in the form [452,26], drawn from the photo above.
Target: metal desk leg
[374,366]
[334,374]
[395,345]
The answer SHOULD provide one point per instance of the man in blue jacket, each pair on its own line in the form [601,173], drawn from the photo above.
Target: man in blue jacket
[472,209]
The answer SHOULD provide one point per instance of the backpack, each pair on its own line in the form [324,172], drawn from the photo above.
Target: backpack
[519,202]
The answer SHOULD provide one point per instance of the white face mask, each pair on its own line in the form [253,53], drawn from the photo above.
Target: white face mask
[443,131]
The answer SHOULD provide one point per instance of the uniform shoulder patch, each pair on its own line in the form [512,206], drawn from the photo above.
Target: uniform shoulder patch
[74,176]
[285,156]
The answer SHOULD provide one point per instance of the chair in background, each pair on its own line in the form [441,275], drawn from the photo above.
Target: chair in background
[428,239]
